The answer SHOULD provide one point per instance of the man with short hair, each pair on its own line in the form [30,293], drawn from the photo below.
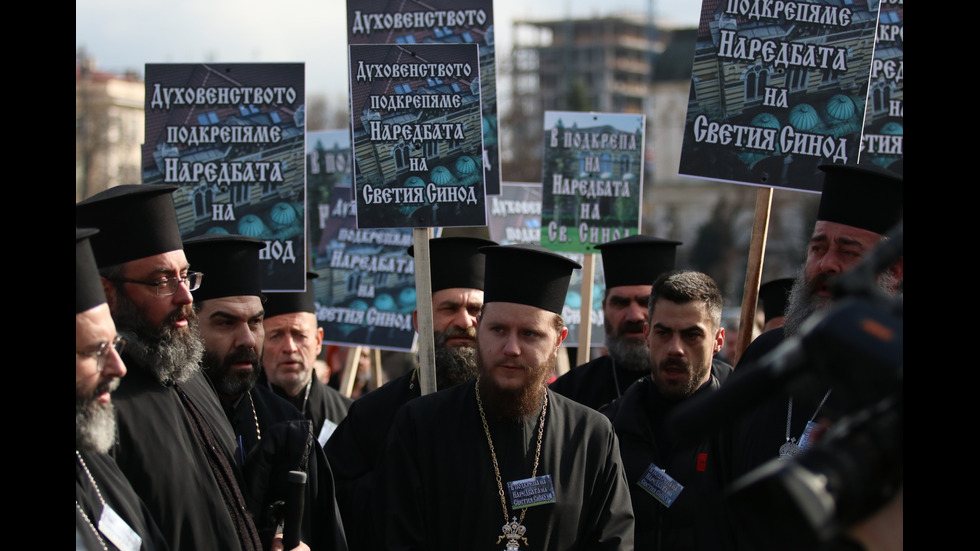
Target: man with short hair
[174,444]
[507,460]
[629,265]
[293,341]
[666,472]
[356,447]
[275,437]
[108,513]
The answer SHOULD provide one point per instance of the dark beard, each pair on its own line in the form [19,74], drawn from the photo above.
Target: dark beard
[171,354]
[679,392]
[519,404]
[456,364]
[219,371]
[95,422]
[629,353]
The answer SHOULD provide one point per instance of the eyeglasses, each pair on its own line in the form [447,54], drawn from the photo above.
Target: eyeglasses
[102,352]
[168,286]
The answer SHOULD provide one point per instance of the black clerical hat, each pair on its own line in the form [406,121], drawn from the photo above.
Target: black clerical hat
[773,295]
[636,260]
[134,221]
[88,285]
[456,262]
[527,274]
[865,196]
[292,301]
[230,264]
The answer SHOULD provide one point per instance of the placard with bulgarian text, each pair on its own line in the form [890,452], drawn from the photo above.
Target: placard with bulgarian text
[417,155]
[884,127]
[230,136]
[777,89]
[592,179]
[409,22]
[365,292]
[515,217]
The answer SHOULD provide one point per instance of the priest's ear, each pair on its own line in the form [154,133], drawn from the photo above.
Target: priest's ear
[562,330]
[110,292]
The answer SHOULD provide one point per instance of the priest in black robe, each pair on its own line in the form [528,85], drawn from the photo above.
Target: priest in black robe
[108,513]
[356,447]
[293,341]
[629,266]
[502,461]
[274,436]
[859,204]
[175,444]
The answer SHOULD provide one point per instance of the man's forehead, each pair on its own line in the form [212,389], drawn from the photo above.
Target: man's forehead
[672,314]
[302,320]
[832,231]
[517,314]
[630,291]
[94,324]
[458,295]
[243,306]
[163,263]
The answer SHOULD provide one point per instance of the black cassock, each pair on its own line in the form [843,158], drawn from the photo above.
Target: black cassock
[117,494]
[642,422]
[354,451]
[323,406]
[160,452]
[753,437]
[287,444]
[596,383]
[437,489]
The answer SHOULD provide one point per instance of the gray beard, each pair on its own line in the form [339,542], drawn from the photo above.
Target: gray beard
[172,355]
[803,301]
[801,304]
[95,424]
[629,353]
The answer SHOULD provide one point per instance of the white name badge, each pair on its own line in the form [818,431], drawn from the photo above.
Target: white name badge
[530,492]
[115,529]
[660,485]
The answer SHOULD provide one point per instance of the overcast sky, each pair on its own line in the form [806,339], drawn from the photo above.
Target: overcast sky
[125,34]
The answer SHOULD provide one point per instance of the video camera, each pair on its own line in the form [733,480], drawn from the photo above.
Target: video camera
[854,347]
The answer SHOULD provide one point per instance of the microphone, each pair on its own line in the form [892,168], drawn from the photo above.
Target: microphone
[295,498]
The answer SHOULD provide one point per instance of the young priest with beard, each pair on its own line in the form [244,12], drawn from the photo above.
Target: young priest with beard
[356,447]
[510,462]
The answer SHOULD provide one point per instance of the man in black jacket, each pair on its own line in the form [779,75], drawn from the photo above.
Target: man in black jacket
[667,472]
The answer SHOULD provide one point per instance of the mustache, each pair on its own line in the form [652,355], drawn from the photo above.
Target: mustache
[109,385]
[631,327]
[453,332]
[674,362]
[818,281]
[521,364]
[184,312]
[242,354]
